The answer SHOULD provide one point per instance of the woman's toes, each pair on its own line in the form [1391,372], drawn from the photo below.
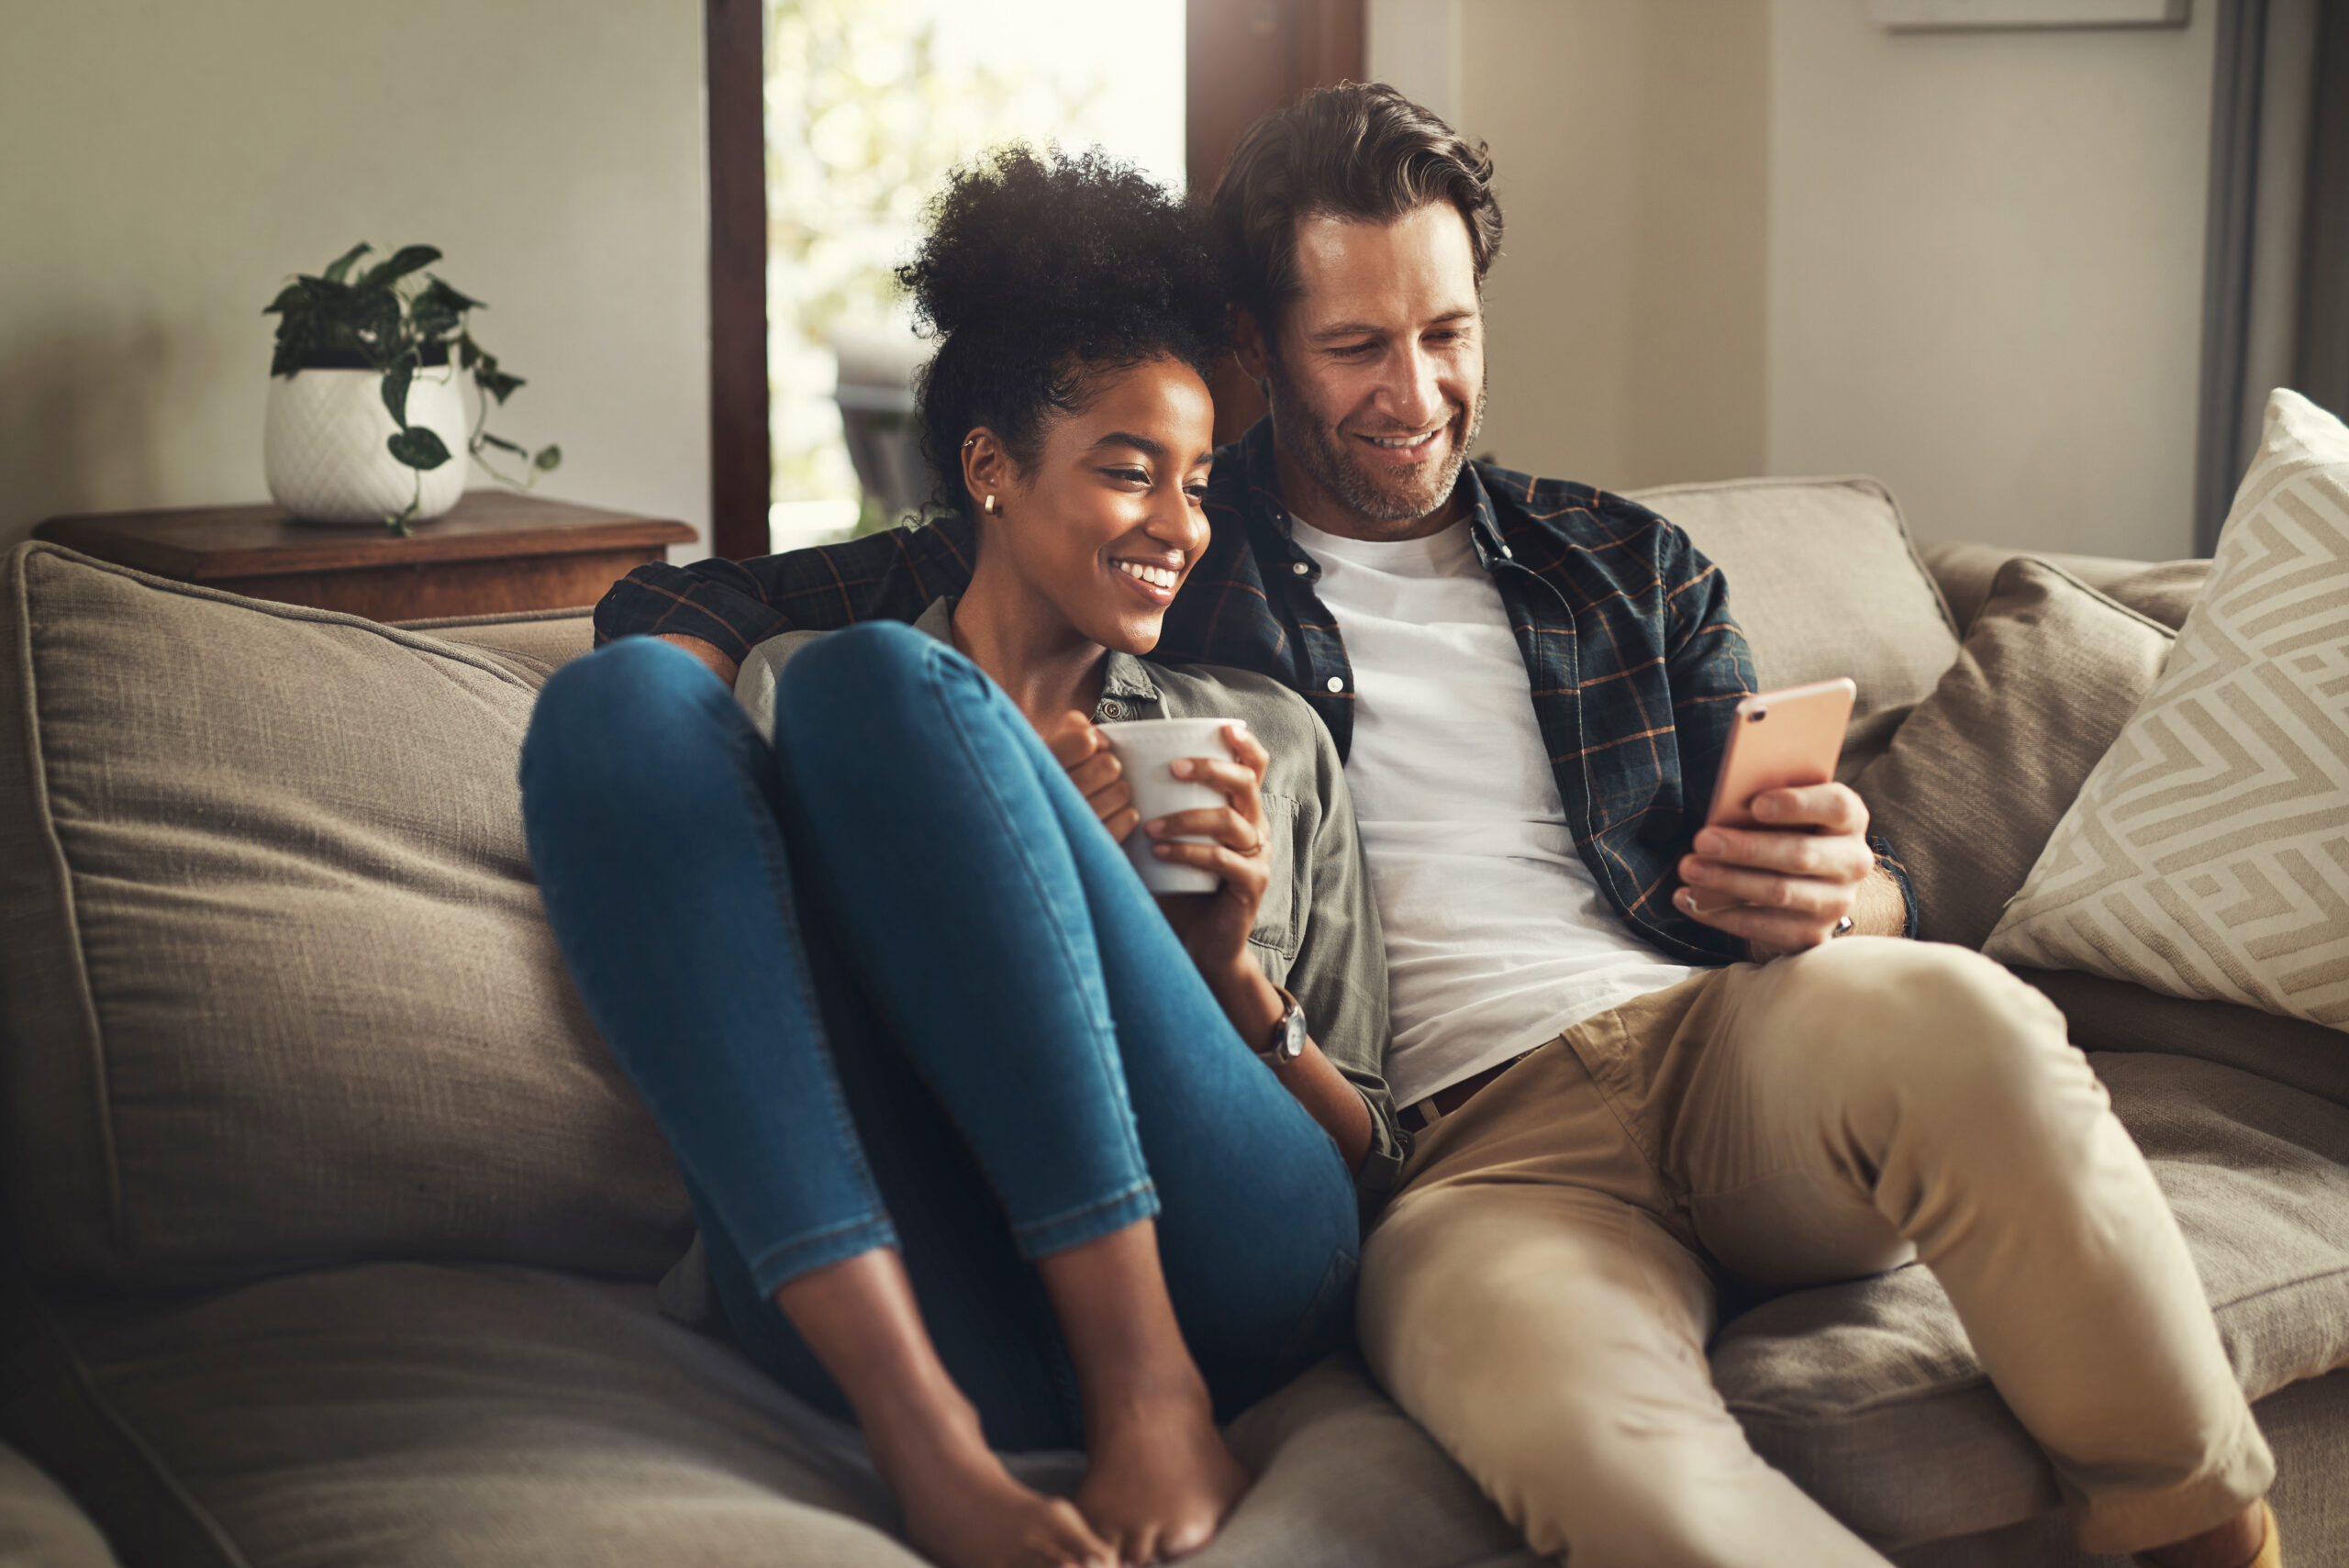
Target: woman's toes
[1065,1540]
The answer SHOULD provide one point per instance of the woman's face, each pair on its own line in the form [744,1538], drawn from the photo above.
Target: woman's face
[1106,523]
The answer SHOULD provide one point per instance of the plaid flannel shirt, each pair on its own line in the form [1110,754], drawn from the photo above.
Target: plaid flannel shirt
[1636,663]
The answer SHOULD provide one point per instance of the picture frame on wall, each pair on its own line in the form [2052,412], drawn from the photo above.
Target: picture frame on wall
[1962,16]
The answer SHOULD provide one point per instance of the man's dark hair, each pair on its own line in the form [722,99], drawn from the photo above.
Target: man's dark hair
[1358,152]
[1039,273]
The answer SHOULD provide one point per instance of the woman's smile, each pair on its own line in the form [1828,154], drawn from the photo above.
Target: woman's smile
[1154,579]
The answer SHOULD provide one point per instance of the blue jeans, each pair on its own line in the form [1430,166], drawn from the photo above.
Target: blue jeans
[887,983]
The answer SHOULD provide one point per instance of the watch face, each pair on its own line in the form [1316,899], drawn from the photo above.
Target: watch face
[1292,1041]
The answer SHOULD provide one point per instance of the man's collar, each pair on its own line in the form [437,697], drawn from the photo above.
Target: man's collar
[1123,676]
[1260,475]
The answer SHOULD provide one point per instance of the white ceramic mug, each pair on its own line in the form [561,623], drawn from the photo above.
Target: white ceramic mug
[1147,748]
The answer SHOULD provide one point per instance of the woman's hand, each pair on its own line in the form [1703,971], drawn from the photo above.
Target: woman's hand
[1078,745]
[1214,926]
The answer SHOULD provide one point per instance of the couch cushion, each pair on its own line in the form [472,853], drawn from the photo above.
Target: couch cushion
[2161,591]
[1823,578]
[2113,1015]
[1987,764]
[2166,592]
[275,984]
[2307,1428]
[538,642]
[1869,1396]
[2208,854]
[407,1414]
[41,1526]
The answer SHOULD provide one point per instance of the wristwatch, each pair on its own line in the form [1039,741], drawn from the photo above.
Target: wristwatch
[1288,1035]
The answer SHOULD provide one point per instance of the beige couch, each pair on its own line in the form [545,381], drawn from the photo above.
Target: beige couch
[331,1233]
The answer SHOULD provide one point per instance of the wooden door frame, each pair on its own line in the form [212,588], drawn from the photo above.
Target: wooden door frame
[1304,44]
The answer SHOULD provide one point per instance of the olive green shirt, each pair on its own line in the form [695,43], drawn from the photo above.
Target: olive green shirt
[1316,934]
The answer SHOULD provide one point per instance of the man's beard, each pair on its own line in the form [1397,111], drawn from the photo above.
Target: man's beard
[1324,453]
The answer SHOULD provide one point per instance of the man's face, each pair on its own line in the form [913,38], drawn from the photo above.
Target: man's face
[1378,372]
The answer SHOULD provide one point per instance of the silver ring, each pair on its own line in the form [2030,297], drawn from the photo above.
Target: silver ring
[1842,928]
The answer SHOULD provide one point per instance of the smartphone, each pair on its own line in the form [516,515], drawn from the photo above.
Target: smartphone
[1781,740]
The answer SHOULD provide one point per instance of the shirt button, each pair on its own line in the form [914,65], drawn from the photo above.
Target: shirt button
[1336,685]
[1110,709]
[1299,567]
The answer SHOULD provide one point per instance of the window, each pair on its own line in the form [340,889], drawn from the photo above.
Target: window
[879,99]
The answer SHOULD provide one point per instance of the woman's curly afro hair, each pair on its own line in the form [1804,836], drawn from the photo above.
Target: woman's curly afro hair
[1039,272]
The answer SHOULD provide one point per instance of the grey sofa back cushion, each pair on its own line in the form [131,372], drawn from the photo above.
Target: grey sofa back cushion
[275,984]
[1824,581]
[1986,766]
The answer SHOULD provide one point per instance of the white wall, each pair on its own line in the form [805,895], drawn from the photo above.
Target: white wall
[168,164]
[1627,309]
[1986,273]
[1765,236]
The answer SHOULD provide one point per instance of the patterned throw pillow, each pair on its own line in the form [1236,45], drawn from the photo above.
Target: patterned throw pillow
[2208,854]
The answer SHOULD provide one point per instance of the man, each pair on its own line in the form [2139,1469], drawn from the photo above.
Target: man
[1631,1046]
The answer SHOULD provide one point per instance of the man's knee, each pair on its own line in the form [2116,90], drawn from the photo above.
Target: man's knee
[1923,1019]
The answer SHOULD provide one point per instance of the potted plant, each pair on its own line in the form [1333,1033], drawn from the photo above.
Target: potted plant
[365,416]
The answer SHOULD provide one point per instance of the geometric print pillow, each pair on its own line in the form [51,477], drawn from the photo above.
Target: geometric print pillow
[2207,853]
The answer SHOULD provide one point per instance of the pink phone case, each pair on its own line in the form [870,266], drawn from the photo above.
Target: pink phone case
[1781,739]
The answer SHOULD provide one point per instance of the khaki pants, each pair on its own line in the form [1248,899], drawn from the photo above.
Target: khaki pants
[1537,1293]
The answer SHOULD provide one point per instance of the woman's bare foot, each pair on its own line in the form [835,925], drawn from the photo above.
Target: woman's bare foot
[1160,1480]
[2239,1542]
[963,1509]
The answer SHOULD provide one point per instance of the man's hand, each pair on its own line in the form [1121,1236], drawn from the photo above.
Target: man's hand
[710,654]
[1783,887]
[1080,748]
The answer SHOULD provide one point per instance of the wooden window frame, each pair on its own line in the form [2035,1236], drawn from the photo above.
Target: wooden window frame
[1245,58]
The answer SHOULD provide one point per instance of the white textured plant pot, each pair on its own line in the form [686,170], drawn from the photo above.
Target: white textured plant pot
[323,448]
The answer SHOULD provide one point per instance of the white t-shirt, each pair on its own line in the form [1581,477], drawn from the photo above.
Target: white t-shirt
[1497,937]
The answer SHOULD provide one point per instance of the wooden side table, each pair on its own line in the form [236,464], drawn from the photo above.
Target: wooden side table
[497,552]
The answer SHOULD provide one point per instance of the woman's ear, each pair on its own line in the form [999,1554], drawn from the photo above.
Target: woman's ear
[987,468]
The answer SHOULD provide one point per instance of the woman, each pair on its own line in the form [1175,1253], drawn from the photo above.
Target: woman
[982,1145]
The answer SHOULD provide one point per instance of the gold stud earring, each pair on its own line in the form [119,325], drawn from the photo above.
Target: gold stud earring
[988,505]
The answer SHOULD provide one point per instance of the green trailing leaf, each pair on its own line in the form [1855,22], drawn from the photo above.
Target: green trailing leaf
[502,444]
[448,296]
[292,297]
[395,384]
[430,320]
[341,267]
[497,383]
[549,458]
[375,318]
[286,358]
[419,447]
[406,260]
[468,352]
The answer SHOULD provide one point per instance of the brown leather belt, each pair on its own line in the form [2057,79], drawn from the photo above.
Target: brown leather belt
[1423,1113]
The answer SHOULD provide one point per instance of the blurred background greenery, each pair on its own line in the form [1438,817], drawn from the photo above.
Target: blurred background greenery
[869,105]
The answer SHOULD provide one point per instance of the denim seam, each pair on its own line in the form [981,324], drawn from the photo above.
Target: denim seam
[791,1259]
[1103,1026]
[1068,1219]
